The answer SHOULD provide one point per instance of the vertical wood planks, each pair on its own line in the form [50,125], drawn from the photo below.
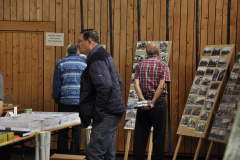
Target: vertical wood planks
[9,72]
[52,11]
[26,10]
[20,10]
[219,19]
[34,66]
[28,70]
[46,10]
[13,10]
[175,72]
[22,67]
[7,10]
[163,22]
[157,20]
[65,26]
[204,24]
[1,10]
[182,65]
[91,10]
[233,22]
[104,22]
[77,21]
[116,32]
[40,73]
[16,70]
[211,21]
[224,22]
[143,20]
[85,14]
[149,20]
[39,10]
[122,67]
[97,17]
[238,29]
[33,10]
[3,60]
[71,21]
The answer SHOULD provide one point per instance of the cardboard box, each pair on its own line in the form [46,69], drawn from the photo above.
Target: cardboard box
[66,157]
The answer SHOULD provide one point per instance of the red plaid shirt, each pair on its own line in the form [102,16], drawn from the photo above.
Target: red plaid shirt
[149,73]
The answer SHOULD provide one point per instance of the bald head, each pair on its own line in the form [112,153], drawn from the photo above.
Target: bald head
[153,49]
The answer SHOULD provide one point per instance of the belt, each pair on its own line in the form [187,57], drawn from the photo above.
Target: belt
[150,97]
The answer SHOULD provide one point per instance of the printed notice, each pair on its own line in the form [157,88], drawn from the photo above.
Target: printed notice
[54,39]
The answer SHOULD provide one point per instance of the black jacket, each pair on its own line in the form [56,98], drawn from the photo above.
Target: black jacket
[101,88]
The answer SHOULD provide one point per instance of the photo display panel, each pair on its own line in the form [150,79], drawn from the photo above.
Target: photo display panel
[226,113]
[141,55]
[205,90]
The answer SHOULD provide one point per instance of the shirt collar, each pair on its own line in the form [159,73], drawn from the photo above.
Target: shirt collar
[69,55]
[92,51]
[152,57]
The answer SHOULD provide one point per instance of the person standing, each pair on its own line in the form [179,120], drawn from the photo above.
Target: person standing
[101,97]
[66,93]
[149,81]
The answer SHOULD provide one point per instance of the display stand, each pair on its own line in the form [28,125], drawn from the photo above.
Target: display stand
[227,110]
[141,55]
[202,99]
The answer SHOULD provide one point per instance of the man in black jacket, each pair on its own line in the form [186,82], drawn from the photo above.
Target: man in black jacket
[101,97]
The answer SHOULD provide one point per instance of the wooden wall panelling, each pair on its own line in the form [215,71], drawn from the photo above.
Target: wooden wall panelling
[91,10]
[77,21]
[65,26]
[33,10]
[129,55]
[22,66]
[175,72]
[15,64]
[143,21]
[46,10]
[104,22]
[199,28]
[163,26]
[1,10]
[71,22]
[40,73]
[59,17]
[52,11]
[28,70]
[20,10]
[26,10]
[39,10]
[182,65]
[189,61]
[149,20]
[34,67]
[13,10]
[204,24]
[233,22]
[116,32]
[238,29]
[3,59]
[171,12]
[108,26]
[122,67]
[97,17]
[9,64]
[85,14]
[224,22]
[211,21]
[6,10]
[219,20]
[157,19]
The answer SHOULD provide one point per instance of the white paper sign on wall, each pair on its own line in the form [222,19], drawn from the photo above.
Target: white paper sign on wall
[54,39]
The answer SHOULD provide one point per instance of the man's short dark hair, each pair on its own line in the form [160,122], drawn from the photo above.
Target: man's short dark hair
[92,34]
[73,49]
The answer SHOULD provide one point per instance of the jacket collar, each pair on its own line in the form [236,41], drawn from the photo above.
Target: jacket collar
[92,52]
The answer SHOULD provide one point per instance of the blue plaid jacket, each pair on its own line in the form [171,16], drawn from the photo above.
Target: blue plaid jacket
[67,80]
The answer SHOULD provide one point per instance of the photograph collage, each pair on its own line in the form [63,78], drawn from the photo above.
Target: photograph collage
[204,91]
[227,110]
[141,55]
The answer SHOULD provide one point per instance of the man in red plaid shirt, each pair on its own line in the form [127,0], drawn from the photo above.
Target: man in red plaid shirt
[149,81]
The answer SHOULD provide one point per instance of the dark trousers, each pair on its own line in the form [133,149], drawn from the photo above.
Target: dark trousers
[144,121]
[62,145]
[102,138]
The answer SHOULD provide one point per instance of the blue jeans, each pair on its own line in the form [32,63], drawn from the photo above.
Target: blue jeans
[102,138]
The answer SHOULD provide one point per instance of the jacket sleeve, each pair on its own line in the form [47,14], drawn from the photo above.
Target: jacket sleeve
[56,84]
[101,79]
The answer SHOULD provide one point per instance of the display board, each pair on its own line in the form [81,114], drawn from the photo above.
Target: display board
[227,110]
[232,150]
[141,55]
[205,90]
